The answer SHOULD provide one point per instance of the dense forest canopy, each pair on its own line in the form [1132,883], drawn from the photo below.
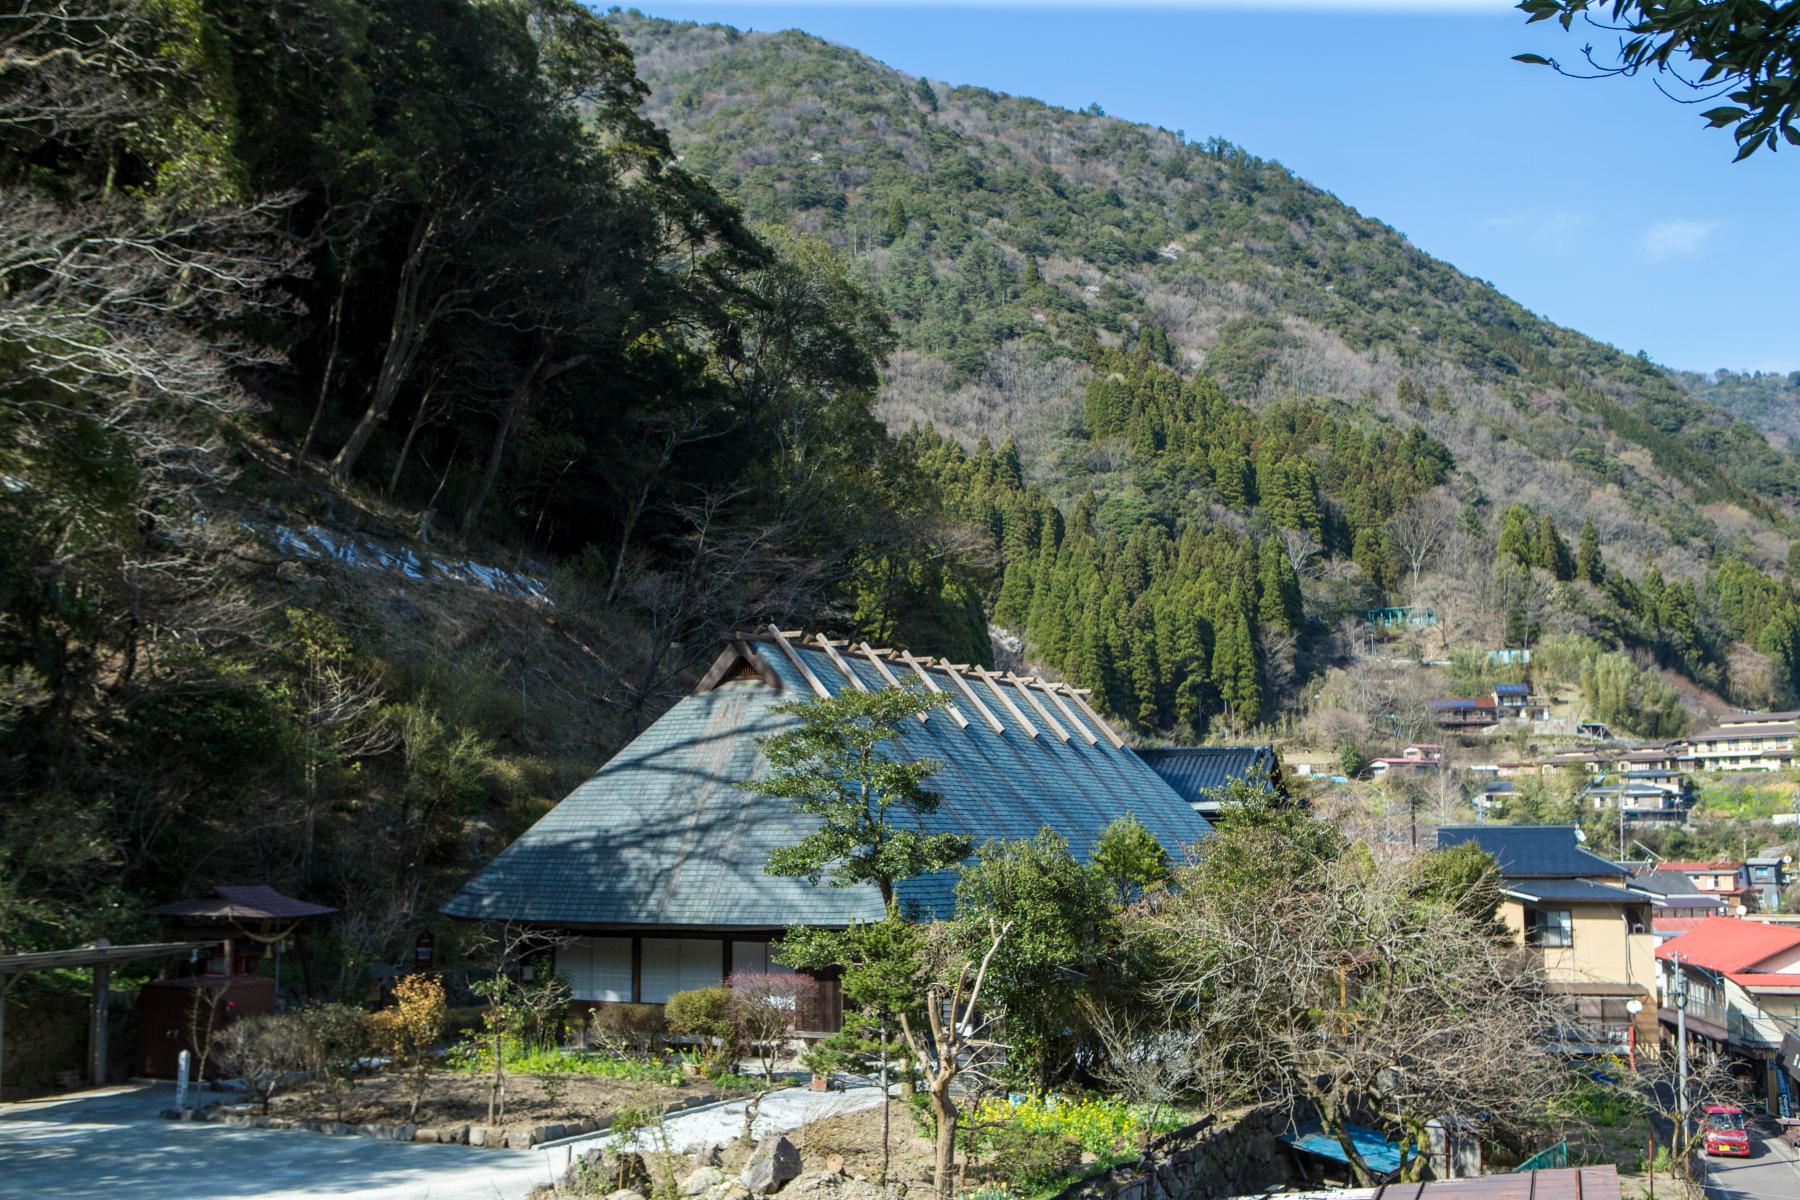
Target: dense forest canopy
[421,268]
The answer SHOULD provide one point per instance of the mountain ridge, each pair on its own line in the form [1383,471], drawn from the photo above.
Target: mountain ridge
[1240,268]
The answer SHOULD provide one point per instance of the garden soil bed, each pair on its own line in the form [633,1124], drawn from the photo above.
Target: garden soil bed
[454,1098]
[857,1138]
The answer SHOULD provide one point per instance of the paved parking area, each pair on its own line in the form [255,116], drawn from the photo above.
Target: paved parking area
[111,1145]
[1771,1173]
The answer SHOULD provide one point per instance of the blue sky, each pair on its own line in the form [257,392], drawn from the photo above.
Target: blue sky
[1601,205]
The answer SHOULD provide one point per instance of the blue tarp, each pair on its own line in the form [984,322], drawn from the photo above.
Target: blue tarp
[1381,1154]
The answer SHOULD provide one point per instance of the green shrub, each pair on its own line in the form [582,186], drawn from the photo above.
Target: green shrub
[702,1012]
[628,1026]
[1032,1160]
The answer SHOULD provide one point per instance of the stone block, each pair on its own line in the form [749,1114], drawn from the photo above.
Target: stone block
[775,1161]
[700,1180]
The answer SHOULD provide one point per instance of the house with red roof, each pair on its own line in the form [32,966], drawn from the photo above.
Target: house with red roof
[1742,984]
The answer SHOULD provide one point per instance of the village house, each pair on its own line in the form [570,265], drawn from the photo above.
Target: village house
[1463,716]
[1742,981]
[1591,929]
[1748,742]
[1421,759]
[654,868]
[1677,902]
[1768,873]
[1725,880]
[1664,758]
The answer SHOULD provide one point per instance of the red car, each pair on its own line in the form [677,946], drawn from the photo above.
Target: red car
[1724,1131]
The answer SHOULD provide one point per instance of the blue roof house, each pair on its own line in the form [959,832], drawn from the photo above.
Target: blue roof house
[656,863]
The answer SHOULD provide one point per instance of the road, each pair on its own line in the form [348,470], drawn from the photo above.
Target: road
[1773,1174]
[111,1145]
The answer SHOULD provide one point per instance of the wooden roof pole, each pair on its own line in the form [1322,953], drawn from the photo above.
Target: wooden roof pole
[1037,706]
[906,657]
[837,660]
[956,677]
[875,660]
[1111,736]
[793,656]
[987,677]
[1068,713]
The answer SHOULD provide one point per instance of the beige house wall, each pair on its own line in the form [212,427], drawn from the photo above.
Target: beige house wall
[1603,950]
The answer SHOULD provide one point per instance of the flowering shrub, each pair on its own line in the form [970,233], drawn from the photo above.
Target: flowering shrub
[1102,1125]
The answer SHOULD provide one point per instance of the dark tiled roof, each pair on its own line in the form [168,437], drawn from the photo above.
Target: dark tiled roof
[254,902]
[1512,689]
[1531,851]
[1195,772]
[663,836]
[1460,705]
[1575,891]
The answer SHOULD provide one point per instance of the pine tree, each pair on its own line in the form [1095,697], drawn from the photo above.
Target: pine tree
[1279,604]
[1518,536]
[1234,666]
[1589,565]
[1551,552]
[895,229]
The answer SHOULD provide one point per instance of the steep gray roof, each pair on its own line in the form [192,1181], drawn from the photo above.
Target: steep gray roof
[663,836]
[1196,772]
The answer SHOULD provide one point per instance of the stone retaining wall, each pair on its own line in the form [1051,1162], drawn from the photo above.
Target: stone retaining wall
[491,1137]
[1208,1160]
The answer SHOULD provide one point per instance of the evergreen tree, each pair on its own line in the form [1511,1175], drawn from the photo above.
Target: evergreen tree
[1589,564]
[1552,552]
[835,765]
[895,228]
[1234,666]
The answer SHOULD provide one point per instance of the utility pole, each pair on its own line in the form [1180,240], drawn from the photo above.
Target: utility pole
[1681,1002]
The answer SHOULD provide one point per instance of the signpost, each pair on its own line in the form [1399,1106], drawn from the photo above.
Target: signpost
[423,949]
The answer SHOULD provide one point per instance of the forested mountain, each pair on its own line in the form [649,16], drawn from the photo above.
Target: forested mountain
[1209,415]
[1004,235]
[1768,400]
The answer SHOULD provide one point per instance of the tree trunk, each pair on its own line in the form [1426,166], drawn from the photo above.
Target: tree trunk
[407,329]
[331,355]
[515,404]
[944,1108]
[418,423]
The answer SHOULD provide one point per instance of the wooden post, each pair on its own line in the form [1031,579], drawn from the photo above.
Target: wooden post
[97,1024]
[6,982]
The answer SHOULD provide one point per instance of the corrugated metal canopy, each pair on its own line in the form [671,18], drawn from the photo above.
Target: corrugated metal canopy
[663,836]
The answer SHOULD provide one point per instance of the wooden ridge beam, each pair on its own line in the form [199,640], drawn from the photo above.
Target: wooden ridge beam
[956,676]
[877,659]
[837,660]
[1068,713]
[1037,706]
[793,656]
[1118,743]
[906,657]
[988,678]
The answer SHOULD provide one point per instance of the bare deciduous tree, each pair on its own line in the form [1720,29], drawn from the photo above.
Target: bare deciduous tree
[1420,529]
[954,1043]
[1347,994]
